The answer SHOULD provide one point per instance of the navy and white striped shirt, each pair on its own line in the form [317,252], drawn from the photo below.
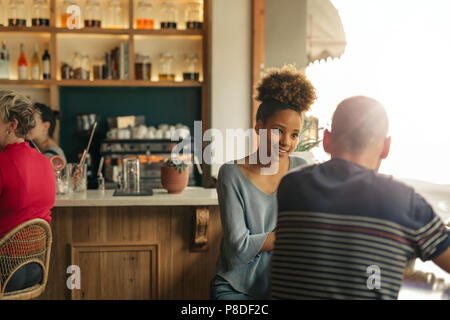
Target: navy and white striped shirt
[338,222]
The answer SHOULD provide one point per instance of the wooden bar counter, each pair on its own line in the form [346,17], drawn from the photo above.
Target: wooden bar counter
[146,247]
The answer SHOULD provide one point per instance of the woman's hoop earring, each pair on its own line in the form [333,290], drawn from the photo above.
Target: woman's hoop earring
[8,132]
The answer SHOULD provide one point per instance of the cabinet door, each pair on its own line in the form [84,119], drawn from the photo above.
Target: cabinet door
[121,271]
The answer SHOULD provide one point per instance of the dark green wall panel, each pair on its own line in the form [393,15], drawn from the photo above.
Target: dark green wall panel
[159,105]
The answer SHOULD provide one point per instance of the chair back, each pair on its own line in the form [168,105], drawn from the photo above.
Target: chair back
[29,242]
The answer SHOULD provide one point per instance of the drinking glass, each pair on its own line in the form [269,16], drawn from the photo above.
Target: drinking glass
[132,175]
[63,179]
[78,177]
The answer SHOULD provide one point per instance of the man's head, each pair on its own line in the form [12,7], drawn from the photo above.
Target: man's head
[359,132]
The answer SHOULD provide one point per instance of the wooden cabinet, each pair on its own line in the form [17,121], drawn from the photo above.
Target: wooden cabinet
[131,253]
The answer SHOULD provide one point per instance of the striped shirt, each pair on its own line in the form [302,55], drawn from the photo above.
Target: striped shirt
[346,232]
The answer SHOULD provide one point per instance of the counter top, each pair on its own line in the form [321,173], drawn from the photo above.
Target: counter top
[191,196]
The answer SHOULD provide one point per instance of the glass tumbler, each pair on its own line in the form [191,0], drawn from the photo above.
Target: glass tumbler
[132,175]
[63,179]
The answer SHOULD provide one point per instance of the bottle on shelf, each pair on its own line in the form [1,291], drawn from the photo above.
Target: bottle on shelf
[168,15]
[4,62]
[92,16]
[144,15]
[69,18]
[114,14]
[166,72]
[22,64]
[16,14]
[35,64]
[46,74]
[190,71]
[193,16]
[41,14]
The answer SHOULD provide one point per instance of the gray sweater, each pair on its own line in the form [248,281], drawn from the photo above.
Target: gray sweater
[248,215]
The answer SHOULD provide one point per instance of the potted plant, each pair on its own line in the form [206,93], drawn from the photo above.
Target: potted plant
[309,139]
[174,175]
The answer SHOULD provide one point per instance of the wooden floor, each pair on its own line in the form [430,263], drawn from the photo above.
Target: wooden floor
[130,253]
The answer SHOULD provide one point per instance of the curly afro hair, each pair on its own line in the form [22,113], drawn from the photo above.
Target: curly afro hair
[287,86]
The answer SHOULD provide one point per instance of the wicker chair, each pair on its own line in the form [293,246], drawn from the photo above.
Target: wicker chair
[29,242]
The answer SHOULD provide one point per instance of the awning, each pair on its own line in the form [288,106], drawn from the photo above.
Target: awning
[325,34]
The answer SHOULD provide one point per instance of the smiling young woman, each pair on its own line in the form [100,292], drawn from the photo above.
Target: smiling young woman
[248,197]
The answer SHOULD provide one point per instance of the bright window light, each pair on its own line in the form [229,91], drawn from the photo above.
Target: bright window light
[398,53]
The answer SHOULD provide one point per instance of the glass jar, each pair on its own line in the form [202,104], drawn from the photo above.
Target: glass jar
[76,63]
[92,15]
[66,71]
[16,14]
[99,68]
[193,16]
[143,67]
[72,15]
[85,67]
[114,14]
[166,72]
[191,70]
[41,14]
[3,13]
[168,15]
[144,15]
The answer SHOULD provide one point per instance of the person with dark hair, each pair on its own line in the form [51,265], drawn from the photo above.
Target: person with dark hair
[345,231]
[42,134]
[27,179]
[247,189]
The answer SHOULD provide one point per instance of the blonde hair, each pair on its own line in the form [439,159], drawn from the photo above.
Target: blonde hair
[14,105]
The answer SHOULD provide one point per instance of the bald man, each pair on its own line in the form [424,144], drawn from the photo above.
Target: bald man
[344,231]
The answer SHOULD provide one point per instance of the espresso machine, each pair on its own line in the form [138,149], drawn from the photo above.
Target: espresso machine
[126,143]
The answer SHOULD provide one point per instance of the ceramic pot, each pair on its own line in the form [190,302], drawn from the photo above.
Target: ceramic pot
[173,180]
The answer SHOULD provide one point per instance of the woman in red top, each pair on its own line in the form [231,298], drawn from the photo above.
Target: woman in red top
[27,179]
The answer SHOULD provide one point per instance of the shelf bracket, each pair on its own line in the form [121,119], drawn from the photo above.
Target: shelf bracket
[200,226]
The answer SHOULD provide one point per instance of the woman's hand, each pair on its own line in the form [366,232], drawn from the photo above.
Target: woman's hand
[269,243]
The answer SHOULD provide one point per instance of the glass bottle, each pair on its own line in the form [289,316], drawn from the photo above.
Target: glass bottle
[193,16]
[168,15]
[166,72]
[190,71]
[75,20]
[4,62]
[46,74]
[143,67]
[16,15]
[114,14]
[35,65]
[85,67]
[144,15]
[22,64]
[41,14]
[92,16]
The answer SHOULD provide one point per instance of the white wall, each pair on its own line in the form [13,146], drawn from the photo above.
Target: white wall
[230,66]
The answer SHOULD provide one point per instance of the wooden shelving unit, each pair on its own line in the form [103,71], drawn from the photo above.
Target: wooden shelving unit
[55,33]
